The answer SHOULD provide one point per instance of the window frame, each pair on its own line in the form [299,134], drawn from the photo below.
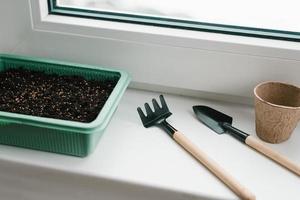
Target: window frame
[43,21]
[54,9]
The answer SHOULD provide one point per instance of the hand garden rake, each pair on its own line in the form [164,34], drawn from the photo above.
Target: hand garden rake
[158,118]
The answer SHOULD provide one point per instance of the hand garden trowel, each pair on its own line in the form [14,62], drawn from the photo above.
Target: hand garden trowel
[221,123]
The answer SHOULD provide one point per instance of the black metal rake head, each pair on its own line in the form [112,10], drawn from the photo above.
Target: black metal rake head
[157,116]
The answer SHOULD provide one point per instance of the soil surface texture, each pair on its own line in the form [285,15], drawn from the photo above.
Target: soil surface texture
[50,95]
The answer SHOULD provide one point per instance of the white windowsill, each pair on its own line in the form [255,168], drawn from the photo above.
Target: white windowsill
[132,162]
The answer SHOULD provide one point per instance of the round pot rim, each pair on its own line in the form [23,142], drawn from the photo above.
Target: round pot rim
[272,104]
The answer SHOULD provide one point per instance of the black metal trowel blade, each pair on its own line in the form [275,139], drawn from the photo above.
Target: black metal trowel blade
[212,118]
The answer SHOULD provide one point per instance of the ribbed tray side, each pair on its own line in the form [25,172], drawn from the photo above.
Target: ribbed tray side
[70,143]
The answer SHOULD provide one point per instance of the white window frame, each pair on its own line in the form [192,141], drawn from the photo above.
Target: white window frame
[43,21]
[264,52]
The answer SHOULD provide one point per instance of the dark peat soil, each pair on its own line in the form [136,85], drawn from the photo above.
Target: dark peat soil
[50,95]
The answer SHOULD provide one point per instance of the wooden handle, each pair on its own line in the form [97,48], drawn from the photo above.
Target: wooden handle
[233,184]
[264,149]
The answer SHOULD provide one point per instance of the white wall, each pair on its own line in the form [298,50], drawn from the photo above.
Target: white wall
[14,23]
[184,69]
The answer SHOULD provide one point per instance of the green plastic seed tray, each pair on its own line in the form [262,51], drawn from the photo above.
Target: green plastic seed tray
[57,135]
